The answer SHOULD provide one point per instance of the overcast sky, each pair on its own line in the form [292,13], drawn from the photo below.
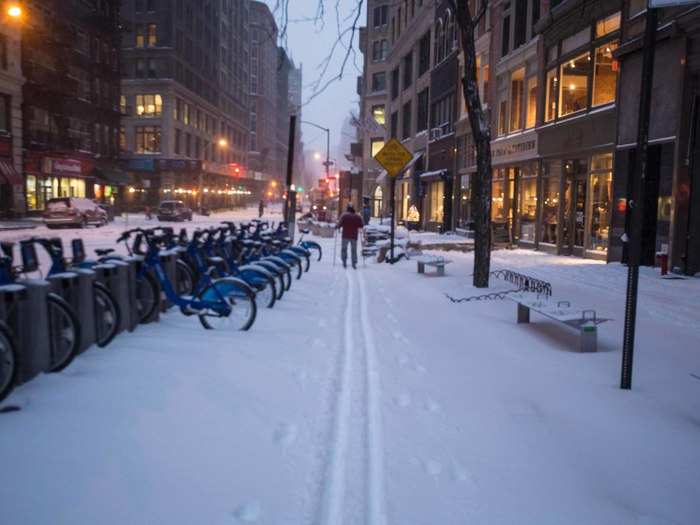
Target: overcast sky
[310,44]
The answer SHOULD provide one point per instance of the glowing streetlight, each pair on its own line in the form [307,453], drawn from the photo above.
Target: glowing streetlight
[317,156]
[223,143]
[273,183]
[14,11]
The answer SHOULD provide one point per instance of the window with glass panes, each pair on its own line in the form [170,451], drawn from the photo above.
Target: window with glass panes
[148,139]
[586,73]
[149,106]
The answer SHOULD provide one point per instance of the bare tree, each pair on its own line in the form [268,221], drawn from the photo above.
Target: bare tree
[348,29]
[481,131]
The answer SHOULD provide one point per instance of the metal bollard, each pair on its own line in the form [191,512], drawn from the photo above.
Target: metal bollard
[29,320]
[131,273]
[76,287]
[108,275]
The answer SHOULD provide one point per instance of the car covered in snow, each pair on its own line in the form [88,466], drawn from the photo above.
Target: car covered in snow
[174,211]
[73,211]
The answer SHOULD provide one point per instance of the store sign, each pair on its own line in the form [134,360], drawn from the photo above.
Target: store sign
[514,150]
[140,165]
[63,167]
[670,3]
[178,165]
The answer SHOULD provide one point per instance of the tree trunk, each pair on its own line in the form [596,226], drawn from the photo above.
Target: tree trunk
[481,131]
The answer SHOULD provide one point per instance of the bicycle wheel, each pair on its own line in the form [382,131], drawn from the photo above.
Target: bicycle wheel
[264,284]
[304,255]
[64,332]
[313,247]
[107,315]
[295,261]
[184,279]
[279,274]
[147,296]
[8,361]
[240,299]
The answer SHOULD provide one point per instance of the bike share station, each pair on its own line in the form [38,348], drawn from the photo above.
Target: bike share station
[218,274]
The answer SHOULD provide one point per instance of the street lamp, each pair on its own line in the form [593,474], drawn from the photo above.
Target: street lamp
[14,11]
[317,156]
[223,143]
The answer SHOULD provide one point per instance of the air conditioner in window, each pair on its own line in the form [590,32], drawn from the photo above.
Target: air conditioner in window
[435,133]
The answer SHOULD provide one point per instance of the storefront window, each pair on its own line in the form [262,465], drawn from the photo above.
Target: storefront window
[33,193]
[503,190]
[550,209]
[605,74]
[378,202]
[465,208]
[552,89]
[527,207]
[405,200]
[599,202]
[531,112]
[573,89]
[437,197]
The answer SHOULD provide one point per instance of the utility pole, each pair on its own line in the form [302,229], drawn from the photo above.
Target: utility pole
[291,200]
[636,202]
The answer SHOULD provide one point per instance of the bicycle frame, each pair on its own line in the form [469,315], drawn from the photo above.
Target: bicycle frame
[152,261]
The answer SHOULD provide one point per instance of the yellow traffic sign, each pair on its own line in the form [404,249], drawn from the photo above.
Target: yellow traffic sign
[393,157]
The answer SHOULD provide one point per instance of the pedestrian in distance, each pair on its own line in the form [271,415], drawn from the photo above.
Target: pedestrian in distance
[350,223]
[261,208]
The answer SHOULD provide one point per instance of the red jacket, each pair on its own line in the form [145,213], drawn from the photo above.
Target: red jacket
[351,224]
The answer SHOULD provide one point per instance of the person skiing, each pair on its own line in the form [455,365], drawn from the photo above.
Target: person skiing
[261,208]
[350,223]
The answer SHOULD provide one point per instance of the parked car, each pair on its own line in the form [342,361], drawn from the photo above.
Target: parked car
[73,211]
[174,211]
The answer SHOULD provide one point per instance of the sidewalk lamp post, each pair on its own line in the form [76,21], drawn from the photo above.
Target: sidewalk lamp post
[317,156]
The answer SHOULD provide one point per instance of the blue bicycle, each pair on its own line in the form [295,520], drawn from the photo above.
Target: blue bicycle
[226,303]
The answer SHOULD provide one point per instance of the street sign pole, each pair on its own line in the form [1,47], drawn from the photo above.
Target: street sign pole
[392,196]
[393,157]
[636,203]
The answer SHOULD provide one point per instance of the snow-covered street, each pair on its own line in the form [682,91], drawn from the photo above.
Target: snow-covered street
[367,397]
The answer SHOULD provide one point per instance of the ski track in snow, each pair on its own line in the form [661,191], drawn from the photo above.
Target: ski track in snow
[354,491]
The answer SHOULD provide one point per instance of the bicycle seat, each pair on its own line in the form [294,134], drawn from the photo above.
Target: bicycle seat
[103,252]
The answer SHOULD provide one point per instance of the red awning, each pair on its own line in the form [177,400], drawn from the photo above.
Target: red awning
[9,173]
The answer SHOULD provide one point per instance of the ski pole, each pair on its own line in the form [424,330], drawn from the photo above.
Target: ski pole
[364,255]
[335,244]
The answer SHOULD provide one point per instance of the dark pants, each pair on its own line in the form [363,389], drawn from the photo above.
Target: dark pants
[344,250]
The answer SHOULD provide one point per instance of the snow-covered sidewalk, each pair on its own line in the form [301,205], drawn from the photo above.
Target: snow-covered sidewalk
[367,397]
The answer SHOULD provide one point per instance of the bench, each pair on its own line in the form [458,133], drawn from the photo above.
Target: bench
[437,262]
[584,321]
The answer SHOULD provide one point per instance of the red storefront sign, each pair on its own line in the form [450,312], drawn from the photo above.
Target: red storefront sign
[63,167]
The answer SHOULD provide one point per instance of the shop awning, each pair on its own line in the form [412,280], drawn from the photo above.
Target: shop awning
[9,173]
[433,174]
[112,176]
[411,163]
